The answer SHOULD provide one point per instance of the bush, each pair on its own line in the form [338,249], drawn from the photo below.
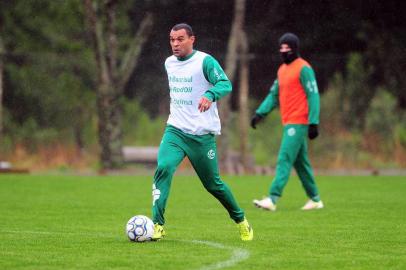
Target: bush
[139,128]
[400,133]
[330,110]
[266,139]
[381,117]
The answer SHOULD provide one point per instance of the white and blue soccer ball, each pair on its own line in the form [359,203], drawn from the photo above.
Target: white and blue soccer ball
[140,228]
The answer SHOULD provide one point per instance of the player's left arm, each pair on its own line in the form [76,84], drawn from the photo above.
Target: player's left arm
[221,84]
[217,77]
[309,83]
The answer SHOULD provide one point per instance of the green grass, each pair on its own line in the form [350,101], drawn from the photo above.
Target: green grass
[71,222]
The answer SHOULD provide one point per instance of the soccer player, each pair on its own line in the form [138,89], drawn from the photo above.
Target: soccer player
[295,92]
[196,82]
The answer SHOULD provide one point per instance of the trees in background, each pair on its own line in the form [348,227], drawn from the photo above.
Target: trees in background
[65,66]
[47,73]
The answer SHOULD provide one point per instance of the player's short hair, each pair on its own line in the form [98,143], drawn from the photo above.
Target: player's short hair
[188,28]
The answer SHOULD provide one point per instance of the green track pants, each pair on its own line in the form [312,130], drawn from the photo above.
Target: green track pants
[293,152]
[202,153]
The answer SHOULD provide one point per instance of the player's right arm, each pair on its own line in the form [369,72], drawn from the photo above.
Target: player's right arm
[270,102]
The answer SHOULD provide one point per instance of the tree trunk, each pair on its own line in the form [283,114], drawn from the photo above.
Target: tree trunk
[230,69]
[109,115]
[109,109]
[96,32]
[78,127]
[243,104]
[112,44]
[130,59]
[1,86]
[111,79]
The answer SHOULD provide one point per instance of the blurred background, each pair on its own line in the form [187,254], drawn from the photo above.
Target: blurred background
[81,80]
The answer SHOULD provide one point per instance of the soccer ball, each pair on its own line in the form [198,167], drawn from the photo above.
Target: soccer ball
[140,229]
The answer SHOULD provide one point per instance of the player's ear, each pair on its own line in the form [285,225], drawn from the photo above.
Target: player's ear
[192,38]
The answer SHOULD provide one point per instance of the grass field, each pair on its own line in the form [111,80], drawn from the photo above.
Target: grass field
[72,222]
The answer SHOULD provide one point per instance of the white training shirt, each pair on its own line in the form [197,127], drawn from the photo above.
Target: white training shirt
[187,84]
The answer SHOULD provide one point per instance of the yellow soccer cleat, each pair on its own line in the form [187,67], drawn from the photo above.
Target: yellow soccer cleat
[246,231]
[159,232]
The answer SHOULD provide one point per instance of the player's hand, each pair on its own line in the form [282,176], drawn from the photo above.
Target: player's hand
[255,120]
[204,104]
[313,131]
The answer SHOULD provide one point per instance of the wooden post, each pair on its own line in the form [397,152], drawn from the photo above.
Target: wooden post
[1,86]
[243,104]
[230,69]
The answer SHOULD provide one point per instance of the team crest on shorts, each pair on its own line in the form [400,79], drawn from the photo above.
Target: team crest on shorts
[211,154]
[291,132]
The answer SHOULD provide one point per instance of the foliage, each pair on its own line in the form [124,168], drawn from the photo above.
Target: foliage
[342,145]
[355,92]
[47,91]
[139,128]
[381,116]
[400,132]
[331,113]
[265,140]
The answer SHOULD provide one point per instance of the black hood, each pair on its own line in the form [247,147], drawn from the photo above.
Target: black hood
[293,41]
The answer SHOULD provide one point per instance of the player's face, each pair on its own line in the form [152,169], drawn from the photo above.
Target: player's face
[284,48]
[181,43]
